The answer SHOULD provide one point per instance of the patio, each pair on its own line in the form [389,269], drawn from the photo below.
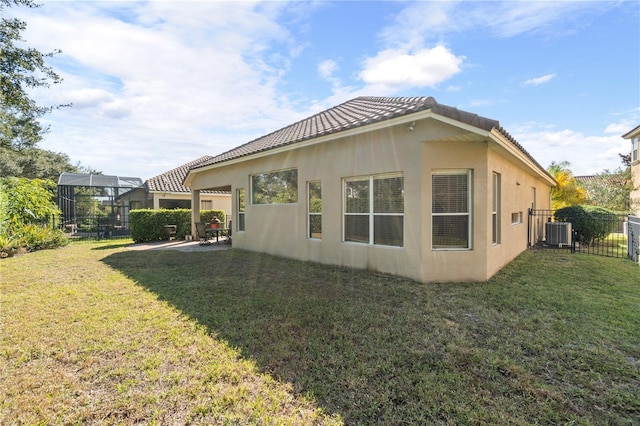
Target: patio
[181,245]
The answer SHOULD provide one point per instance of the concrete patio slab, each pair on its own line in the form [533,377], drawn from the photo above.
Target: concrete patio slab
[185,246]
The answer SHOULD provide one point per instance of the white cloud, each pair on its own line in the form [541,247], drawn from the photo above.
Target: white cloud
[421,68]
[181,79]
[327,68]
[87,98]
[422,21]
[540,80]
[587,154]
[621,127]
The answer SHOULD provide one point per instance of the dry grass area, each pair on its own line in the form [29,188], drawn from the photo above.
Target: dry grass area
[97,334]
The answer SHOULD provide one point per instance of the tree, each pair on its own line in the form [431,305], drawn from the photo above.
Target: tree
[612,190]
[568,192]
[21,70]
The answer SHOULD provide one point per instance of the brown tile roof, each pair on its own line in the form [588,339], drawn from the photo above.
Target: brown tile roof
[171,181]
[355,113]
[602,180]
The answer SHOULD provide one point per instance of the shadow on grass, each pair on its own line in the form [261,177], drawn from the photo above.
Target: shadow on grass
[371,348]
[111,246]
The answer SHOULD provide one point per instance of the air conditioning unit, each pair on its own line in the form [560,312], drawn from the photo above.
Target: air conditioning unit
[558,233]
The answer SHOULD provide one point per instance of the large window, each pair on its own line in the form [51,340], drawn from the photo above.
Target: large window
[315,209]
[495,209]
[374,210]
[279,187]
[240,202]
[451,209]
[634,149]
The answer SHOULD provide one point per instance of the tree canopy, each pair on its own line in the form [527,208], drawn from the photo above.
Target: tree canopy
[611,190]
[568,192]
[23,69]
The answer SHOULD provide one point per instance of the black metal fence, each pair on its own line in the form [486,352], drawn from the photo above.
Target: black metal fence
[94,227]
[602,236]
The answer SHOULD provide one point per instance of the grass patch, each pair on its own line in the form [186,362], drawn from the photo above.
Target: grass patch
[170,337]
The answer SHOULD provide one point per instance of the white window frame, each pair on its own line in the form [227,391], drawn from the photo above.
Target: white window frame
[371,213]
[635,152]
[469,213]
[310,213]
[517,219]
[495,210]
[269,201]
[241,219]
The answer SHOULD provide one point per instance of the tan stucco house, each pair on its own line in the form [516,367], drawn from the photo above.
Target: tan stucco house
[166,191]
[634,137]
[403,186]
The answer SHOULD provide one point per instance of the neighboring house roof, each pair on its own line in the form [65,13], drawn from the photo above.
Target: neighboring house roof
[601,180]
[360,112]
[171,181]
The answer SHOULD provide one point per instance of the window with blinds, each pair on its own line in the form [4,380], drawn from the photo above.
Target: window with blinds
[374,210]
[451,209]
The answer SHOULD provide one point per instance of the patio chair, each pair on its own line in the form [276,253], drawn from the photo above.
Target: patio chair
[203,233]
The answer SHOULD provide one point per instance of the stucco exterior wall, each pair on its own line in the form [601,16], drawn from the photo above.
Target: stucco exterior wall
[635,193]
[281,229]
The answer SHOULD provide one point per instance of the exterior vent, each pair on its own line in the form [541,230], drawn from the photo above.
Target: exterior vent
[558,233]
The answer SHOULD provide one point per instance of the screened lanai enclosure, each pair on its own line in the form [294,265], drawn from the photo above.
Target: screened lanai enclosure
[90,206]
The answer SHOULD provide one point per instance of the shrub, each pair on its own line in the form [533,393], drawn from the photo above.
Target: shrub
[148,225]
[25,201]
[26,210]
[9,246]
[33,237]
[589,223]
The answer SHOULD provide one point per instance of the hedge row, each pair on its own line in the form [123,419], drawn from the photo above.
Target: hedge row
[590,223]
[149,225]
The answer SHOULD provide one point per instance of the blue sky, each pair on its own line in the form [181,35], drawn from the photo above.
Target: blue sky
[157,84]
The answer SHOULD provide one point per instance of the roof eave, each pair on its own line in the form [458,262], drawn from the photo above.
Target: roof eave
[504,140]
[632,133]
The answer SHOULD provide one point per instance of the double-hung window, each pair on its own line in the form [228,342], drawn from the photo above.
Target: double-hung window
[241,206]
[451,201]
[314,189]
[374,209]
[495,209]
[634,149]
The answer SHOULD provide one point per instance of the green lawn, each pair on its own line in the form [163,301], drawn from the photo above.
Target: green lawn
[94,333]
